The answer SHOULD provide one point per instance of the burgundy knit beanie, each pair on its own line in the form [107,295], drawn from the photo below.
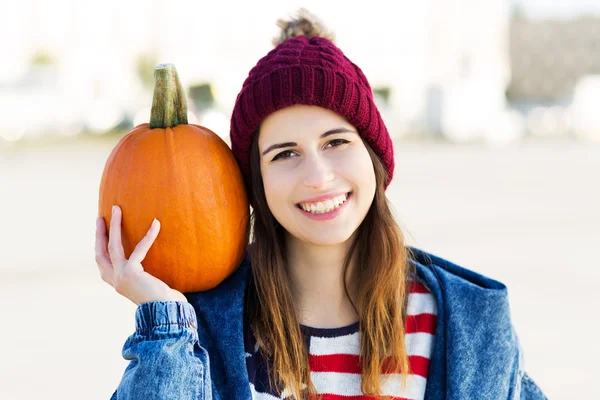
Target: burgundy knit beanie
[309,70]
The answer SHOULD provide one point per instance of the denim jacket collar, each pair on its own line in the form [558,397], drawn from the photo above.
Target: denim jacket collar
[474,339]
[476,352]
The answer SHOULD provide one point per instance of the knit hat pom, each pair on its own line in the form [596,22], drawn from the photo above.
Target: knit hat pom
[305,23]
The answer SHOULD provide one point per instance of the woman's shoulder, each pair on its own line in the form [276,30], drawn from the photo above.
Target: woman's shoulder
[474,309]
[469,296]
[432,268]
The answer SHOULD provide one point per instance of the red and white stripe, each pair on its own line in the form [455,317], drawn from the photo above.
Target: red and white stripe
[335,365]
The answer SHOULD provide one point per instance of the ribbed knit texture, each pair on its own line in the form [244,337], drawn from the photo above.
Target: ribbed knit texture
[312,72]
[334,356]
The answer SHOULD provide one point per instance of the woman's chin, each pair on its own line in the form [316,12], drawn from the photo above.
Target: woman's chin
[326,238]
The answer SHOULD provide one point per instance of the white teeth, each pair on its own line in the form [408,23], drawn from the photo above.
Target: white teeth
[321,207]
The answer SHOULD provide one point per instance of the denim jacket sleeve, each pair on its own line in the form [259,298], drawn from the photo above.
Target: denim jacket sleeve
[166,359]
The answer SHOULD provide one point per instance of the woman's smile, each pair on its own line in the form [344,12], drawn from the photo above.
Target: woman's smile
[325,210]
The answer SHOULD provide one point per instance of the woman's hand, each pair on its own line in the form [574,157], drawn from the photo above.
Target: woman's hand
[128,276]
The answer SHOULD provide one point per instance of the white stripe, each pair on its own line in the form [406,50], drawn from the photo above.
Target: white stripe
[421,303]
[344,384]
[348,344]
[391,385]
[419,344]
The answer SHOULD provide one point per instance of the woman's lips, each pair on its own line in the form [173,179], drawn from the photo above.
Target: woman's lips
[328,215]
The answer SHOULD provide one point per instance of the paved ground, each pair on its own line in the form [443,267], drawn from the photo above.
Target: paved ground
[528,216]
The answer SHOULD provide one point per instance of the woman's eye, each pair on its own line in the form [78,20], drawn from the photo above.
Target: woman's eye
[281,155]
[288,153]
[338,141]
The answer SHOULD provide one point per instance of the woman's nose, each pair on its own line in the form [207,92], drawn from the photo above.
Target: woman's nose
[318,172]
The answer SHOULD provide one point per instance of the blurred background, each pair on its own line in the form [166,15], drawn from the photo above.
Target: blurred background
[493,107]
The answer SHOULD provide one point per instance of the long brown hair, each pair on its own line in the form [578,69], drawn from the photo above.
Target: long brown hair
[381,266]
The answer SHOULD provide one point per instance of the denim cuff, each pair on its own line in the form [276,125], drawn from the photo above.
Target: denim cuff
[166,316]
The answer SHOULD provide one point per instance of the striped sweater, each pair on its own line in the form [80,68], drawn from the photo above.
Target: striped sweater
[334,356]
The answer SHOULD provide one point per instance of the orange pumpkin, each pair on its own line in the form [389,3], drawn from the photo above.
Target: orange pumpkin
[187,177]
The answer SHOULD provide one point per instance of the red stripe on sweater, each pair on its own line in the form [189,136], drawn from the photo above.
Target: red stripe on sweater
[418,366]
[421,323]
[417,287]
[350,364]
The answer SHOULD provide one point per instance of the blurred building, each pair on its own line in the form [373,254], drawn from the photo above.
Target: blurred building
[549,57]
[438,68]
[554,85]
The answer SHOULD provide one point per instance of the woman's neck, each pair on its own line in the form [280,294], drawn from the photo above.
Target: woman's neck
[316,274]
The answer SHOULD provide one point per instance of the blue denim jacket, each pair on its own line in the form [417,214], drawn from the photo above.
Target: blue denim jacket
[195,350]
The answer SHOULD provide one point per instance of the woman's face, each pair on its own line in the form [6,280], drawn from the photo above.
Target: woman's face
[318,177]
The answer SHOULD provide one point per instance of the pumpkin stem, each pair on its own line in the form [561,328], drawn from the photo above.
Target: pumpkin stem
[169,105]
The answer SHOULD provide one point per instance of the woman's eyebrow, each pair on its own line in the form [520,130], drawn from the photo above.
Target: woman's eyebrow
[290,144]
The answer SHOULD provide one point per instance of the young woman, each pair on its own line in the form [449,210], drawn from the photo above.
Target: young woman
[328,301]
